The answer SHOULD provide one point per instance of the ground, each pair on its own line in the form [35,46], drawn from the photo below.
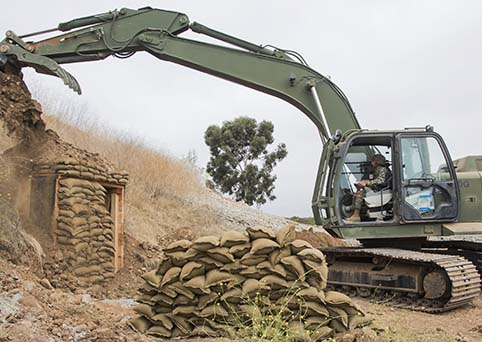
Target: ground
[464,324]
[30,311]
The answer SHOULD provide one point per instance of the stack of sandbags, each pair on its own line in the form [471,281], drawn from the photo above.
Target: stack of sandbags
[208,286]
[85,229]
[84,169]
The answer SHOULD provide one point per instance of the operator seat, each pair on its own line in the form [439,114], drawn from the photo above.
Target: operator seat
[379,200]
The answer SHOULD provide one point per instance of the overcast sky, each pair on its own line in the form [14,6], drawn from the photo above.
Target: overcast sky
[401,63]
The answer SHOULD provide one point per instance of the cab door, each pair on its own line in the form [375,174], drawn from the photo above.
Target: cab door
[429,190]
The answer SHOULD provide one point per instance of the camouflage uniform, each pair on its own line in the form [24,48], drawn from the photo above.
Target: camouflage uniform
[380,175]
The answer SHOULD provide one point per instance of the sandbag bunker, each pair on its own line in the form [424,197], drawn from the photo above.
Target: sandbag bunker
[81,198]
[214,287]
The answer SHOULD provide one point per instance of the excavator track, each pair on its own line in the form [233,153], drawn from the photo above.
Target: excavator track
[406,279]
[467,246]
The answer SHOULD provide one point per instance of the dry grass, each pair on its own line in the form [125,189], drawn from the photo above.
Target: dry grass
[153,174]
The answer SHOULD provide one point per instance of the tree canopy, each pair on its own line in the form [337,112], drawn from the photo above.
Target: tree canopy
[240,163]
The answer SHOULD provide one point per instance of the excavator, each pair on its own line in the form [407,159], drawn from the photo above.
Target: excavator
[419,233]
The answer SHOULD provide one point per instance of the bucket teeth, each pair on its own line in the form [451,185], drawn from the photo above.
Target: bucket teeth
[44,65]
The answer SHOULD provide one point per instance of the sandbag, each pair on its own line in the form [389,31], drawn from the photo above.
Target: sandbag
[294,265]
[358,321]
[213,311]
[164,320]
[197,285]
[203,331]
[205,243]
[207,299]
[315,322]
[311,294]
[215,277]
[239,250]
[191,270]
[158,331]
[140,324]
[298,245]
[184,310]
[233,267]
[162,299]
[321,334]
[252,259]
[319,269]
[274,282]
[171,276]
[263,246]
[312,254]
[233,238]
[253,286]
[182,300]
[182,289]
[316,309]
[278,254]
[336,298]
[210,263]
[144,309]
[259,232]
[181,323]
[178,246]
[286,234]
[253,272]
[221,254]
[232,296]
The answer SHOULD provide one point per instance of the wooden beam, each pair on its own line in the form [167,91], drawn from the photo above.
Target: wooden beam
[55,212]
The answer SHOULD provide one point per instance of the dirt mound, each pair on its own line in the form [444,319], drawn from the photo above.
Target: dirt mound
[31,311]
[15,244]
[319,239]
[21,121]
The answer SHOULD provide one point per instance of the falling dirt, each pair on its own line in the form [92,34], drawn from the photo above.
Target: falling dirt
[19,113]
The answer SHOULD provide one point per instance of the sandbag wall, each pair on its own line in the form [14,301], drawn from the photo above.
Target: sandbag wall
[213,286]
[85,166]
[83,228]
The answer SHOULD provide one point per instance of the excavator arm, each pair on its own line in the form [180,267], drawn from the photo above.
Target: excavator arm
[121,33]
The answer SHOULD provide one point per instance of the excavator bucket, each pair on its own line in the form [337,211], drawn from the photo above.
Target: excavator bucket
[20,57]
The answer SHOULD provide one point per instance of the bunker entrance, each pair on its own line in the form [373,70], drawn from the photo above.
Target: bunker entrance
[83,215]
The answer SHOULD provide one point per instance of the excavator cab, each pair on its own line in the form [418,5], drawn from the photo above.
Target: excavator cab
[419,191]
[377,200]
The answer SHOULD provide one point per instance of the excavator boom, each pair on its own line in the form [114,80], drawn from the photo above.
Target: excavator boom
[124,32]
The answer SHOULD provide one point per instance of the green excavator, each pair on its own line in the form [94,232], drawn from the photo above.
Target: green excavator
[419,231]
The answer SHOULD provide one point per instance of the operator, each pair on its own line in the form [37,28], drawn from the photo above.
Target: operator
[378,177]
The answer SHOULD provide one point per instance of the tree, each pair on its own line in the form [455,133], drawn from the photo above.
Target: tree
[240,162]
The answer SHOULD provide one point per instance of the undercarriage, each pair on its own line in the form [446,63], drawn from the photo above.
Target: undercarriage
[415,280]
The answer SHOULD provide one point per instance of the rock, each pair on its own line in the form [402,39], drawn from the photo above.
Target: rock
[139,257]
[28,286]
[46,283]
[86,299]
